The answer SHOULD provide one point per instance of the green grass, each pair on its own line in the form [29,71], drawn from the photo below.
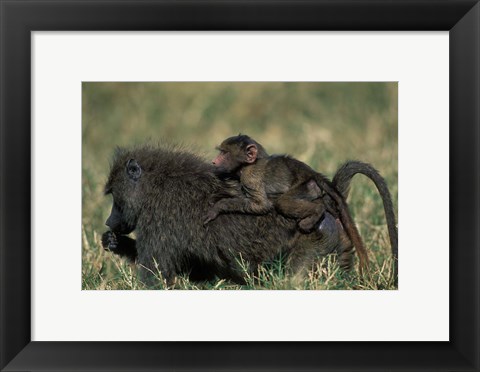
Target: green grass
[322,124]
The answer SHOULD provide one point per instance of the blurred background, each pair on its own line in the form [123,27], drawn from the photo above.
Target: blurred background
[322,124]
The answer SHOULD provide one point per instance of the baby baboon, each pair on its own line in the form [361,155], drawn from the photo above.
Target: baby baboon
[279,188]
[162,193]
[279,182]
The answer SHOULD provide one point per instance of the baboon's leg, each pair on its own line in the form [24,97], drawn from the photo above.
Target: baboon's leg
[329,237]
[294,205]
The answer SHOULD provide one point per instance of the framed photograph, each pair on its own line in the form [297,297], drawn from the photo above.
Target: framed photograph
[392,84]
[320,124]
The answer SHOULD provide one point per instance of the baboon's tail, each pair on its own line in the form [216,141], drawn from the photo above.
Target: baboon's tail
[342,180]
[346,219]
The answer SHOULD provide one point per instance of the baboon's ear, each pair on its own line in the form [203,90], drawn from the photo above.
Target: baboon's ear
[251,153]
[133,170]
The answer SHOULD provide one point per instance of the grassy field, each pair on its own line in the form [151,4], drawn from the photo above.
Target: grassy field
[322,124]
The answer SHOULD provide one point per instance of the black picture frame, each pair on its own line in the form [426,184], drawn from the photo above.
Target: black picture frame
[18,18]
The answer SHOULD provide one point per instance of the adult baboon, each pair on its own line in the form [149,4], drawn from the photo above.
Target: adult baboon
[163,193]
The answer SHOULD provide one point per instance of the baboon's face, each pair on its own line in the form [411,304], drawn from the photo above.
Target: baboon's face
[225,161]
[234,153]
[122,185]
[117,221]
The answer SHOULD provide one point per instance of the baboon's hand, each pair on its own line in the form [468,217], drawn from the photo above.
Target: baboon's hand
[109,241]
[211,215]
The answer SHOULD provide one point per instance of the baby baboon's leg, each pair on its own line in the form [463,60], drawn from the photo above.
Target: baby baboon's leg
[302,202]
